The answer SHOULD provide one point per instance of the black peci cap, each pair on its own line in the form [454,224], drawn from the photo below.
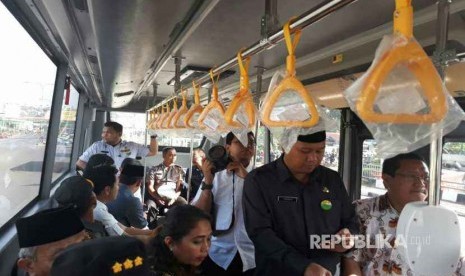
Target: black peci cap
[104,256]
[48,226]
[76,191]
[316,137]
[132,168]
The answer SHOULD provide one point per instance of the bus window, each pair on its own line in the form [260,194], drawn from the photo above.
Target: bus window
[331,159]
[66,134]
[452,193]
[260,149]
[133,125]
[28,78]
[372,184]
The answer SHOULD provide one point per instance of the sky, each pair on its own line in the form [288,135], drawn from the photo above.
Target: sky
[27,75]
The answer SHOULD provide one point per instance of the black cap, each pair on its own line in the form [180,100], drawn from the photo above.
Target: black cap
[48,226]
[75,191]
[316,137]
[132,168]
[99,160]
[103,256]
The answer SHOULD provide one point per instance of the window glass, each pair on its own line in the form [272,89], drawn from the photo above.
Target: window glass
[453,180]
[372,184]
[66,134]
[28,78]
[133,125]
[260,149]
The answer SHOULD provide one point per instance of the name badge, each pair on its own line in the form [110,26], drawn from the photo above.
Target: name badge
[287,199]
[104,151]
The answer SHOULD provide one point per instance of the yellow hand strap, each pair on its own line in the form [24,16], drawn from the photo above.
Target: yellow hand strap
[178,121]
[196,108]
[214,103]
[166,112]
[415,59]
[169,119]
[243,97]
[290,83]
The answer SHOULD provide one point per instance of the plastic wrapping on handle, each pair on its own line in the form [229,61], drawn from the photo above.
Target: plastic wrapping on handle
[402,99]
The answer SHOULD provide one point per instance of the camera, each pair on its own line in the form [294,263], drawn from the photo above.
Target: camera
[219,157]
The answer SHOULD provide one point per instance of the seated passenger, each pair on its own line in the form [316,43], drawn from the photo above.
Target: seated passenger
[165,182]
[406,178]
[76,191]
[101,257]
[197,175]
[106,189]
[182,243]
[127,208]
[43,235]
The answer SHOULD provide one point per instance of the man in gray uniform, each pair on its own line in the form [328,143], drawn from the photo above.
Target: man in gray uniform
[290,204]
[118,149]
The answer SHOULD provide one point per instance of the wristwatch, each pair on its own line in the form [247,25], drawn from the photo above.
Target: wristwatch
[206,186]
[153,136]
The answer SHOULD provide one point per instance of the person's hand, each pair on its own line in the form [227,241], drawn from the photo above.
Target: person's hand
[315,269]
[238,168]
[344,241]
[207,171]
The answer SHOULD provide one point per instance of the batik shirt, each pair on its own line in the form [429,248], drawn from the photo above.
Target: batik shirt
[378,224]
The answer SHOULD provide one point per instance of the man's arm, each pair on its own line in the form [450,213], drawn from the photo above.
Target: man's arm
[152,189]
[153,148]
[135,215]
[351,267]
[204,198]
[81,164]
[259,228]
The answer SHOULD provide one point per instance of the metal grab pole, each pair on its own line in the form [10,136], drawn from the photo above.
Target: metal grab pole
[436,140]
[189,177]
[306,19]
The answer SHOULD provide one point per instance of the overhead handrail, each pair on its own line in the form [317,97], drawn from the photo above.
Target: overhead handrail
[214,104]
[242,98]
[196,109]
[290,84]
[412,55]
[159,113]
[178,119]
[163,116]
[306,19]
[168,123]
[151,118]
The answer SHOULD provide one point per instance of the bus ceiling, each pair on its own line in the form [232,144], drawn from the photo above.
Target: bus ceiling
[119,50]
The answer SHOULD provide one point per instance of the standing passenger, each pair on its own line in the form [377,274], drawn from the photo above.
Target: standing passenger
[291,202]
[232,252]
[197,174]
[112,145]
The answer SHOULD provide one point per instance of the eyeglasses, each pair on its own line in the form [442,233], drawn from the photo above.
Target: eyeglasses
[411,178]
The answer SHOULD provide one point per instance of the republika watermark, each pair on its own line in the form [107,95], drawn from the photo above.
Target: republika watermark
[366,241]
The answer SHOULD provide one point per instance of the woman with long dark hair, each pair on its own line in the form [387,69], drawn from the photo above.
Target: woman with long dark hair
[182,243]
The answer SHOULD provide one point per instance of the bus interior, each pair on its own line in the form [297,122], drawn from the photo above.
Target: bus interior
[127,60]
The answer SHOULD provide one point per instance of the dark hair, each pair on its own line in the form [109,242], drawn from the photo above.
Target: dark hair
[114,125]
[179,221]
[391,165]
[230,136]
[101,177]
[165,150]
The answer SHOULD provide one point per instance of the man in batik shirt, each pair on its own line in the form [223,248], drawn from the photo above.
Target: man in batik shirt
[405,177]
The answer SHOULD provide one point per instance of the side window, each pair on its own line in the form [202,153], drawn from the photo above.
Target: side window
[133,125]
[372,184]
[27,81]
[331,159]
[66,134]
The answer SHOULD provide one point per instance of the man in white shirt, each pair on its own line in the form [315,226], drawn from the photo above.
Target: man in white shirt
[106,186]
[118,149]
[231,251]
